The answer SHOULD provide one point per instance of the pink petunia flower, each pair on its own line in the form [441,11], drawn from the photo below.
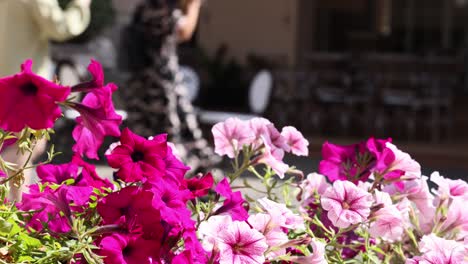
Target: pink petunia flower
[438,250]
[138,158]
[281,215]
[274,235]
[346,204]
[395,166]
[231,135]
[449,188]
[317,256]
[273,157]
[390,221]
[314,183]
[296,141]
[97,119]
[236,241]
[129,249]
[29,100]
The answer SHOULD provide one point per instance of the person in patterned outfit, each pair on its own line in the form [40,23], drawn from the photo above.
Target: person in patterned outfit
[155,96]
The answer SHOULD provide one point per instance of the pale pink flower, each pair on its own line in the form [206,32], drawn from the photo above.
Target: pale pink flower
[456,219]
[230,136]
[390,221]
[262,127]
[314,183]
[236,241]
[346,204]
[404,162]
[281,215]
[449,188]
[417,191]
[274,235]
[209,230]
[273,158]
[296,141]
[317,256]
[438,250]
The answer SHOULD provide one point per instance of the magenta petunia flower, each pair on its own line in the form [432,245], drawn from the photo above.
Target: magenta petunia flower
[199,186]
[296,141]
[346,204]
[353,162]
[175,168]
[233,204]
[51,206]
[97,73]
[231,135]
[97,119]
[29,100]
[57,173]
[138,158]
[129,249]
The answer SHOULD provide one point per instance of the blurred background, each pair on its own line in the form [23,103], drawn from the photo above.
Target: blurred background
[340,70]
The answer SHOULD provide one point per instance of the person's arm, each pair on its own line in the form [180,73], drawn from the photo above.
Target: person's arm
[58,24]
[188,22]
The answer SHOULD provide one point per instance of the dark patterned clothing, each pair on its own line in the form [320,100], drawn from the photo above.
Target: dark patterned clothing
[155,97]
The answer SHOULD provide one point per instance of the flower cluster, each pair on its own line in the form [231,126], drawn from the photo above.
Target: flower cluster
[368,203]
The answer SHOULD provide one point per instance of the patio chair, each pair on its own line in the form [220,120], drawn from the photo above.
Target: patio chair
[258,97]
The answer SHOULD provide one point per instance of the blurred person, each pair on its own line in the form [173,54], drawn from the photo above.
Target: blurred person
[26,27]
[155,97]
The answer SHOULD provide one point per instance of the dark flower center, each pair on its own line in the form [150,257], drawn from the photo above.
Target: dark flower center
[137,156]
[29,88]
[127,251]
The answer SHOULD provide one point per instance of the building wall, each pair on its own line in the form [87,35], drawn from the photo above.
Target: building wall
[262,27]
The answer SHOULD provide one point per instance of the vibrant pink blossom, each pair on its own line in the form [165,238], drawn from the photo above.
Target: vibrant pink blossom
[282,215]
[274,235]
[129,249]
[89,176]
[236,241]
[97,119]
[199,186]
[28,100]
[317,256]
[233,203]
[57,173]
[346,204]
[51,206]
[171,202]
[97,73]
[438,250]
[175,168]
[296,141]
[231,135]
[341,162]
[133,209]
[138,158]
